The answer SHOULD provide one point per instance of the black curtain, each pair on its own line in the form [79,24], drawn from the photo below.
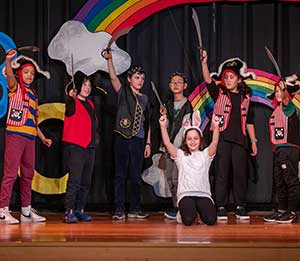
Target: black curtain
[164,43]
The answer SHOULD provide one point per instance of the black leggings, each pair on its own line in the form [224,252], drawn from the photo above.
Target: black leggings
[190,206]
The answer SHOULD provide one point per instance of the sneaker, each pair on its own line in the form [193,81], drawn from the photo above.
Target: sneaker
[222,213]
[82,216]
[286,217]
[118,215]
[6,217]
[171,213]
[241,213]
[137,214]
[32,217]
[70,217]
[272,217]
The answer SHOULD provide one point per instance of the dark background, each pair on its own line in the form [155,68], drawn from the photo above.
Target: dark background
[164,43]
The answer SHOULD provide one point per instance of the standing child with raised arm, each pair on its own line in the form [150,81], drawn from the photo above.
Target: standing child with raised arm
[193,162]
[80,137]
[178,108]
[232,104]
[132,139]
[284,133]
[21,131]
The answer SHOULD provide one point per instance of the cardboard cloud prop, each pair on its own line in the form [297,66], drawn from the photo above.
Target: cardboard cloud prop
[80,50]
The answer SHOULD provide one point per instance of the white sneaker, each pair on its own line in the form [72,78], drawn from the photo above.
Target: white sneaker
[6,217]
[32,217]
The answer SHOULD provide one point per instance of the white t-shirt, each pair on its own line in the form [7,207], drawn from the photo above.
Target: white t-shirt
[193,174]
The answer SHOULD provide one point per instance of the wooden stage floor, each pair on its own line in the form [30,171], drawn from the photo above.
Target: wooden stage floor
[155,238]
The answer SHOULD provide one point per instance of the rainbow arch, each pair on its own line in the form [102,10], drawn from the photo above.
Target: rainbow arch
[261,86]
[114,15]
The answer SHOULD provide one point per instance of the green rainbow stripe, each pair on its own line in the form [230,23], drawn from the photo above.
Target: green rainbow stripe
[104,13]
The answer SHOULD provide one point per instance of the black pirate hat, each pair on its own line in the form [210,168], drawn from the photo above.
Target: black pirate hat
[237,66]
[291,84]
[76,82]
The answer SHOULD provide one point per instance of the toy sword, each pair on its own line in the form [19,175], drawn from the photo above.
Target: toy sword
[156,94]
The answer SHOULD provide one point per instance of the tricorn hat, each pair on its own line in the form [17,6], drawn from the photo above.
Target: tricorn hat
[22,60]
[77,81]
[237,66]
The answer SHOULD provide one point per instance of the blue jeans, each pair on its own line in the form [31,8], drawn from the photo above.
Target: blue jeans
[129,156]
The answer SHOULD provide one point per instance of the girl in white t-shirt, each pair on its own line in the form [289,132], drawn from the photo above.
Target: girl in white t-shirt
[193,162]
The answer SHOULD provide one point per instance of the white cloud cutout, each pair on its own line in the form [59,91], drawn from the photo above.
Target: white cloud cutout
[73,39]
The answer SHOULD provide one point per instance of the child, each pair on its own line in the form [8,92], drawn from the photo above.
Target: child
[178,108]
[21,131]
[193,162]
[233,106]
[80,137]
[132,139]
[284,134]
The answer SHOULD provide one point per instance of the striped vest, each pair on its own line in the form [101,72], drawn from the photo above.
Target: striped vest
[278,125]
[22,113]
[18,108]
[223,106]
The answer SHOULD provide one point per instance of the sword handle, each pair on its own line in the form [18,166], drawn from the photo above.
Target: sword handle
[107,50]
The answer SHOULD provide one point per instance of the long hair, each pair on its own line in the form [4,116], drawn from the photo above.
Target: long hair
[184,145]
[242,88]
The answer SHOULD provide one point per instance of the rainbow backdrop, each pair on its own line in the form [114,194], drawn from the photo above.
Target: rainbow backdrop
[261,86]
[114,15]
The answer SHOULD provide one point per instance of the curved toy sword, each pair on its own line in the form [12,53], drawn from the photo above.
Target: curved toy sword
[198,29]
[156,94]
[272,59]
[29,48]
[115,37]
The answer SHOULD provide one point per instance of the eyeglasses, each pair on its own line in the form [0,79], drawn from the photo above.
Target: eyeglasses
[176,83]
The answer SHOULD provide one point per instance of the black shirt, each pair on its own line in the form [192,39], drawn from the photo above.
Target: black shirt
[233,132]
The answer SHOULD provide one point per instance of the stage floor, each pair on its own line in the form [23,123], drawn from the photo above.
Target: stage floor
[155,238]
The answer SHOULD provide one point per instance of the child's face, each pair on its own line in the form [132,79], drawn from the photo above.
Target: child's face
[193,140]
[136,81]
[279,91]
[85,89]
[28,73]
[231,81]
[177,84]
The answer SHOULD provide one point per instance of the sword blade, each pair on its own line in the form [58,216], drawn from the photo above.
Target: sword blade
[198,29]
[156,94]
[115,37]
[272,59]
[72,68]
[29,48]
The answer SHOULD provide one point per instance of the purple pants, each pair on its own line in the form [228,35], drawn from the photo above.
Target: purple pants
[19,151]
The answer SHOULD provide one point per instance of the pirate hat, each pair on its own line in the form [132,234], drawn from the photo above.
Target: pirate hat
[78,79]
[291,83]
[235,65]
[22,60]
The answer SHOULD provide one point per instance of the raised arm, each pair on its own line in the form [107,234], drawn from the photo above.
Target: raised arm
[165,137]
[205,71]
[212,148]
[11,79]
[111,70]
